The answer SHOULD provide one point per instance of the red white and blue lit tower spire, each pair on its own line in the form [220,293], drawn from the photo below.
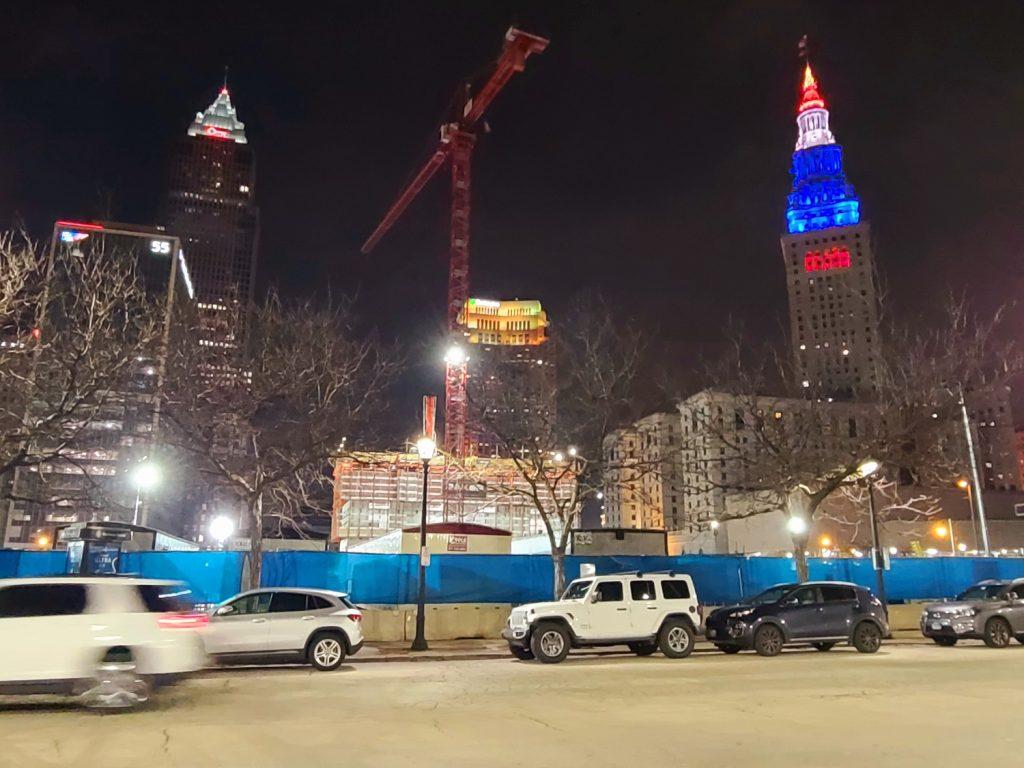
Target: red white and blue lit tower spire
[821,197]
[829,263]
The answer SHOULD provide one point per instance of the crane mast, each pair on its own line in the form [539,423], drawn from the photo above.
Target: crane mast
[457,139]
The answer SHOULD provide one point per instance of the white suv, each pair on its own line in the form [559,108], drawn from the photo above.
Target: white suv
[313,625]
[110,640]
[646,611]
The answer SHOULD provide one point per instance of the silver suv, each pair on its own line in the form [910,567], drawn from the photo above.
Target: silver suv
[992,611]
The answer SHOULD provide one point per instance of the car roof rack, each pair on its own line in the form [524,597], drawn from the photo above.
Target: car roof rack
[645,573]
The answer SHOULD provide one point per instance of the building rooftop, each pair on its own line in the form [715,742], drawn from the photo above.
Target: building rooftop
[219,121]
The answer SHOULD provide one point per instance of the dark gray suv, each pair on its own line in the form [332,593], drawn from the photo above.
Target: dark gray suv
[992,611]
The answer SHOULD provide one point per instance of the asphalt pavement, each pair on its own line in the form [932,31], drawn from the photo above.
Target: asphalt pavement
[908,705]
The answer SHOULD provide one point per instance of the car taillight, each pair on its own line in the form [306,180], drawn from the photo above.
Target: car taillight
[193,620]
[356,616]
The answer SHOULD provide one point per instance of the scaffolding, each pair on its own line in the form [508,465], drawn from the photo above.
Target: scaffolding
[378,493]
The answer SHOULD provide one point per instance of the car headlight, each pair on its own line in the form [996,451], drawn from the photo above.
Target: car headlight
[741,614]
[961,613]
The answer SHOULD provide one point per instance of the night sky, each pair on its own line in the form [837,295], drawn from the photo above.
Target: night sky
[645,153]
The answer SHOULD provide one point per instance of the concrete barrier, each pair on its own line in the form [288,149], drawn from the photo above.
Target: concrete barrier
[449,621]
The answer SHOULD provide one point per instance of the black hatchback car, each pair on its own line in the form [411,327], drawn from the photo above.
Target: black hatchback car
[816,613]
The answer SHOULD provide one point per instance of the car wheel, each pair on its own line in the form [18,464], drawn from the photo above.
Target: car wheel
[522,653]
[727,648]
[550,643]
[823,646]
[117,683]
[675,639]
[643,649]
[768,640]
[867,637]
[997,632]
[946,642]
[326,652]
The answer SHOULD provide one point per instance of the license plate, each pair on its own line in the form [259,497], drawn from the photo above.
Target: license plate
[936,625]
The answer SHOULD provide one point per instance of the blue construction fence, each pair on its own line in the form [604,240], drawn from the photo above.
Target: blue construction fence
[392,579]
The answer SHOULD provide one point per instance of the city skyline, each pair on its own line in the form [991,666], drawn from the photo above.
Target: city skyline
[703,189]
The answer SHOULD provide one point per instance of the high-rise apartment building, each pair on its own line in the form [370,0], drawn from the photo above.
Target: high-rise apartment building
[511,368]
[210,206]
[829,263]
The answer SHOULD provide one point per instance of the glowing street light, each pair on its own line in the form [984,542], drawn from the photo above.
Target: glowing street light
[963,484]
[426,448]
[867,468]
[715,525]
[559,456]
[940,531]
[221,528]
[825,541]
[145,477]
[455,355]
[797,526]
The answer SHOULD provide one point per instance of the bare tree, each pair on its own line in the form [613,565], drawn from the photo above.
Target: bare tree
[73,328]
[262,416]
[791,453]
[556,452]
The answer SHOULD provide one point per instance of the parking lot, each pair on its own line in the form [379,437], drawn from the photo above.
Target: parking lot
[906,705]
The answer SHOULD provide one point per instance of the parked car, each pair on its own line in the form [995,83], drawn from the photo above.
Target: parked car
[108,640]
[992,611]
[312,625]
[820,614]
[645,611]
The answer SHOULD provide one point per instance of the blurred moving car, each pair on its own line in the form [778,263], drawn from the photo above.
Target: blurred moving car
[109,640]
[311,625]
[991,610]
[817,613]
[647,612]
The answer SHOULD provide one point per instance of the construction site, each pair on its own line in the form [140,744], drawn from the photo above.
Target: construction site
[490,343]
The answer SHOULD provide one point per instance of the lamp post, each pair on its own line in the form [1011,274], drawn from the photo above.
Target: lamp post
[979,502]
[965,485]
[146,477]
[426,448]
[865,471]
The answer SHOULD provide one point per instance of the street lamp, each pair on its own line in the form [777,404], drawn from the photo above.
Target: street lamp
[221,528]
[865,472]
[455,355]
[978,505]
[943,530]
[796,526]
[425,448]
[146,477]
[965,485]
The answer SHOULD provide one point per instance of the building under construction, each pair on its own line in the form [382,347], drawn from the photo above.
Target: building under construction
[377,493]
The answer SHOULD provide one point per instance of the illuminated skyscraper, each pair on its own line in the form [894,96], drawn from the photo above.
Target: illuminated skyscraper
[511,368]
[210,207]
[833,306]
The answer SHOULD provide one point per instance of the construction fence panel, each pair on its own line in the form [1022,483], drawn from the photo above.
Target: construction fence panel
[212,576]
[15,563]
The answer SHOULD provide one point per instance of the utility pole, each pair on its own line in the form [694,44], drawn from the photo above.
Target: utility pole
[877,557]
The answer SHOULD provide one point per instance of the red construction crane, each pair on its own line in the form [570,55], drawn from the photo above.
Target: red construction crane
[456,148]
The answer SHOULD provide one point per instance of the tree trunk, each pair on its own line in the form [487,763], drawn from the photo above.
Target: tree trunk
[558,568]
[800,557]
[255,542]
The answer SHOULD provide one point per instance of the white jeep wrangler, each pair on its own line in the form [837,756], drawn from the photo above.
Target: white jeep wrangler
[646,611]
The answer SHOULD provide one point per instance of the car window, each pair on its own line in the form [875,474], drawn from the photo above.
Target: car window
[317,603]
[610,591]
[257,603]
[804,595]
[285,602]
[832,593]
[166,598]
[675,590]
[576,590]
[1018,589]
[642,590]
[26,600]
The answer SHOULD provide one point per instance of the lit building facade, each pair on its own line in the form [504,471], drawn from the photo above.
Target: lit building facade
[94,481]
[210,206]
[643,485]
[511,368]
[829,263]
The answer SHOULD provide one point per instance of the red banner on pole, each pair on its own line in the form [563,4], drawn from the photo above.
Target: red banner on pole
[429,411]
